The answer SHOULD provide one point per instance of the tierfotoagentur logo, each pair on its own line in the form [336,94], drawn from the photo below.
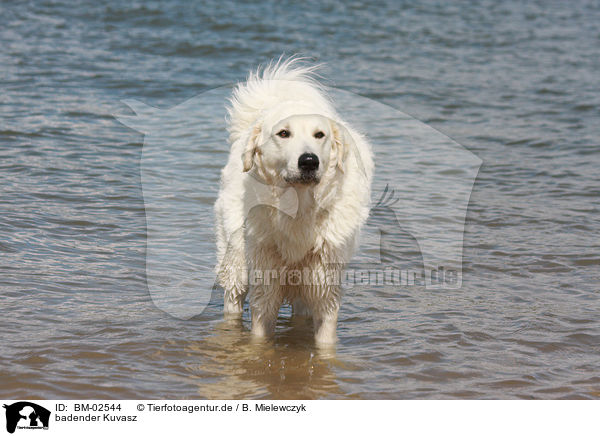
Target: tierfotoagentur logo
[384,275]
[422,183]
[25,415]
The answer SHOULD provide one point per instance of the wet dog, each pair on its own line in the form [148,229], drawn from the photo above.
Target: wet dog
[293,197]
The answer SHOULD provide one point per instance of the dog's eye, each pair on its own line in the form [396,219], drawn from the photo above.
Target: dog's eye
[319,135]
[283,133]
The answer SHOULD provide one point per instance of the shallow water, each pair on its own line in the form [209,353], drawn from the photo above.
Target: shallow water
[514,84]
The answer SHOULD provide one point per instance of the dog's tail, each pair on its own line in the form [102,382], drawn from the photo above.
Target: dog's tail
[286,79]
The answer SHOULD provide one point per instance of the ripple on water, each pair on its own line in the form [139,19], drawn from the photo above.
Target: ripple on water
[73,224]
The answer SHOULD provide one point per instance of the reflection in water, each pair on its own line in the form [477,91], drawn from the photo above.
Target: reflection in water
[287,366]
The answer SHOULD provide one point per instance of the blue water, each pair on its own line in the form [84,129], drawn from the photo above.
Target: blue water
[515,84]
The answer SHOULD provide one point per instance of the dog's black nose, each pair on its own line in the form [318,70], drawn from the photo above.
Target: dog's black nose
[308,162]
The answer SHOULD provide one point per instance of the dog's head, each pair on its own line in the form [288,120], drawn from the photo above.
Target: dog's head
[296,150]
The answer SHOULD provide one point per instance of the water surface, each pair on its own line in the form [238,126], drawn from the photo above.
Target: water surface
[515,84]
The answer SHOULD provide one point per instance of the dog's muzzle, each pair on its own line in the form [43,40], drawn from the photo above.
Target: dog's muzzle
[308,162]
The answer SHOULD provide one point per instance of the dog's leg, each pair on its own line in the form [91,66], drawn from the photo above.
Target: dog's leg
[325,324]
[234,298]
[264,306]
[233,277]
[325,315]
[235,292]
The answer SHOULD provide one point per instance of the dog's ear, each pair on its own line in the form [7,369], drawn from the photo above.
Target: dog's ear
[251,148]
[342,141]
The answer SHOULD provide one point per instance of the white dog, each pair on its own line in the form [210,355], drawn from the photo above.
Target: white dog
[287,139]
